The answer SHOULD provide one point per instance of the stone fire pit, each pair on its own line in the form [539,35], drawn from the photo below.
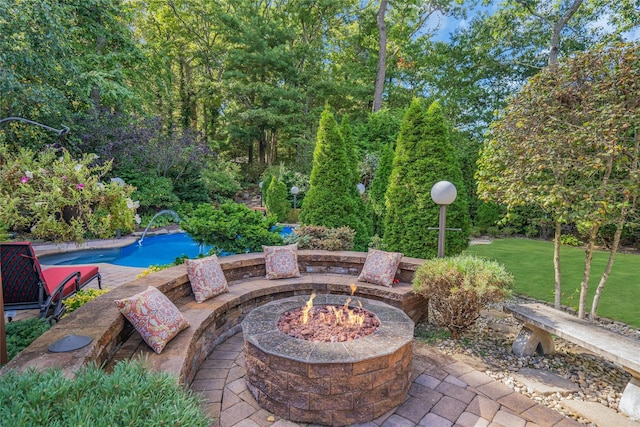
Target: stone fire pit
[328,383]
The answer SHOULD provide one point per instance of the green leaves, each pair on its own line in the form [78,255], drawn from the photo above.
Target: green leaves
[423,156]
[232,228]
[131,395]
[333,199]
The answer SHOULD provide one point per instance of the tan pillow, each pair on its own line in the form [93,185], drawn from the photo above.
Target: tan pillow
[154,316]
[380,267]
[281,262]
[206,277]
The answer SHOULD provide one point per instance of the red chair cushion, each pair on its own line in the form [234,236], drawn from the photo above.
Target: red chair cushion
[54,275]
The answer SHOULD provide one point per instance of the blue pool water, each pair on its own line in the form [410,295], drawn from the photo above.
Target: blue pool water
[163,249]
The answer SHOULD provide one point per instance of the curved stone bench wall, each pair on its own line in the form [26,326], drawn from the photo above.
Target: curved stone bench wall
[214,320]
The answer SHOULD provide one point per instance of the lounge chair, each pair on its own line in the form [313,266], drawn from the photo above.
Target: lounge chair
[26,286]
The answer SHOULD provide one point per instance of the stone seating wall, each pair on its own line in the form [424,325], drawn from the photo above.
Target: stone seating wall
[216,319]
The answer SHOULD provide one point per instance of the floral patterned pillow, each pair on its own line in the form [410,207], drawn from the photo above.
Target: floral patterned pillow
[380,267]
[154,316]
[206,277]
[281,262]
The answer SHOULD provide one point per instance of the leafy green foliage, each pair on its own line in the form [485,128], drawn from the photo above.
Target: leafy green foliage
[131,395]
[568,144]
[21,333]
[459,287]
[222,179]
[320,237]
[333,199]
[232,228]
[153,192]
[378,188]
[80,298]
[60,198]
[277,203]
[423,157]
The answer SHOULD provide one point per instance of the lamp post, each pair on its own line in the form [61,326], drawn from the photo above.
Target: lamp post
[260,185]
[295,190]
[443,193]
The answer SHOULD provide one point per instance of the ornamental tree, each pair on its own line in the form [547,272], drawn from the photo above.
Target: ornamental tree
[423,156]
[276,200]
[333,199]
[569,143]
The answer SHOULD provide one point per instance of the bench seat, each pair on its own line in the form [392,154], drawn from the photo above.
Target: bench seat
[540,321]
[219,318]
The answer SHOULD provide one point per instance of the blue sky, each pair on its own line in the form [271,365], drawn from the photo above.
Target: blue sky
[447,25]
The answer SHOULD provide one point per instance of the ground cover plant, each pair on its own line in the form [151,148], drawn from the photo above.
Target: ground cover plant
[21,333]
[131,395]
[531,263]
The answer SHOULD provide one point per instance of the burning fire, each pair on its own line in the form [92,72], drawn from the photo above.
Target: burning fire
[339,316]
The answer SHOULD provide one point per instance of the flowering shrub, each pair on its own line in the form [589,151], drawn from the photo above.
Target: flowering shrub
[59,198]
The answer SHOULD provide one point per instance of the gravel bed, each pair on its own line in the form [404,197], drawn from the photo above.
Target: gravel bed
[487,347]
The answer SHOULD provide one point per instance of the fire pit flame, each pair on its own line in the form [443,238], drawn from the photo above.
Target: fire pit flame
[341,315]
[307,308]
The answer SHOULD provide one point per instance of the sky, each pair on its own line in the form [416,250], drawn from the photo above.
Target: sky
[448,25]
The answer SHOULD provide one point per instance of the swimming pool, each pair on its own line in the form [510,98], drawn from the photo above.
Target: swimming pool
[163,249]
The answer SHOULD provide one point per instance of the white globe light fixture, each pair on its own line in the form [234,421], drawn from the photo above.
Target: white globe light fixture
[295,190]
[361,188]
[443,193]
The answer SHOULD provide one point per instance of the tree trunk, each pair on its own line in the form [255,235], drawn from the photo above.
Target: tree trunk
[382,57]
[584,286]
[607,270]
[556,264]
[262,155]
[554,45]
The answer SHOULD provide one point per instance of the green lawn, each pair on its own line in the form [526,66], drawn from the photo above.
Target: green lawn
[531,263]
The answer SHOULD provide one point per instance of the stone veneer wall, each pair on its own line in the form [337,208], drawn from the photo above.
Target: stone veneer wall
[101,320]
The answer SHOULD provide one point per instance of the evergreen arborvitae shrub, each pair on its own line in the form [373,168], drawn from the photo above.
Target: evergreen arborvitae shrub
[333,199]
[353,163]
[276,202]
[379,187]
[423,157]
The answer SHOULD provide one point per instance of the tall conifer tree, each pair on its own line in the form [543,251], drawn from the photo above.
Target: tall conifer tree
[424,156]
[333,199]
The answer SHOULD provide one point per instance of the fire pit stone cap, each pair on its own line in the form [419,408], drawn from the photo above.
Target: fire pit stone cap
[260,329]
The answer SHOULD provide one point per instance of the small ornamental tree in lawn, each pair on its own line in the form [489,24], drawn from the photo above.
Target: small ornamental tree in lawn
[569,142]
[333,198]
[276,200]
[423,157]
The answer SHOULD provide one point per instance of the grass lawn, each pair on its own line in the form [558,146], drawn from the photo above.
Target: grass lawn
[531,263]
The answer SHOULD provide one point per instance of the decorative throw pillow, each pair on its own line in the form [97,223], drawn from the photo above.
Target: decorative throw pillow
[281,261]
[154,316]
[206,277]
[380,267]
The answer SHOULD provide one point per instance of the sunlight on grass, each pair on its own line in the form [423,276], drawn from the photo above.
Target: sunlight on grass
[531,263]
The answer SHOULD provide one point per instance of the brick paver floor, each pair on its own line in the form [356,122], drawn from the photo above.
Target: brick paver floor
[444,393]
